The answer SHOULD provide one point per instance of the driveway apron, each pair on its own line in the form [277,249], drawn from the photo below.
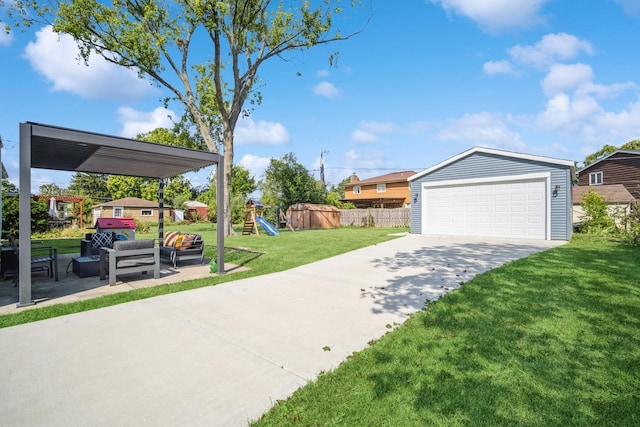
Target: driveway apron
[223,355]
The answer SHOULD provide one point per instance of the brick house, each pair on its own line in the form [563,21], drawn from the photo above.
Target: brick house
[132,207]
[384,191]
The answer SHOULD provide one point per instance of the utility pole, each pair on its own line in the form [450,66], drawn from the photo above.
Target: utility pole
[322,153]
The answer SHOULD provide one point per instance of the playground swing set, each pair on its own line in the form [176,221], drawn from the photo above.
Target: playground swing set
[254,216]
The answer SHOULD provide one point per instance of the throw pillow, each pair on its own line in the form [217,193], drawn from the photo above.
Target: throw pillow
[178,241]
[188,240]
[170,238]
[102,240]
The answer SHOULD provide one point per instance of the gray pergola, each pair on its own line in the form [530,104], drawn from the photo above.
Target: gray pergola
[56,148]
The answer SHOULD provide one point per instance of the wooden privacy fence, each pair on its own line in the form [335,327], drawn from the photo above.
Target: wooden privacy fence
[375,217]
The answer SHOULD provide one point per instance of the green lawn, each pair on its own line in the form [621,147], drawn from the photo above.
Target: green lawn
[550,340]
[261,254]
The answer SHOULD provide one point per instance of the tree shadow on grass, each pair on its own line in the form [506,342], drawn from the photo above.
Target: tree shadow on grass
[550,341]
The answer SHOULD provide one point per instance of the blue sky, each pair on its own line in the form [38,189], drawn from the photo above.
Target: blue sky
[426,80]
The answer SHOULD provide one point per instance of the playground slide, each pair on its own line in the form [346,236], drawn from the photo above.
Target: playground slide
[271,230]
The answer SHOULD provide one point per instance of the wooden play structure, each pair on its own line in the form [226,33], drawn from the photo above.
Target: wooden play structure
[254,216]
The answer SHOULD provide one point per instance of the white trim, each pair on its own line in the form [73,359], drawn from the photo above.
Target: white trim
[595,175]
[113,211]
[503,153]
[145,210]
[506,178]
[381,188]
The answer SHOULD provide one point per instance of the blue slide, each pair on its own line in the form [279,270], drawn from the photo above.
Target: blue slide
[271,230]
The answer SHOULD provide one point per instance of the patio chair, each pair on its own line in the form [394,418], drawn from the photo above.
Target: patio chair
[43,262]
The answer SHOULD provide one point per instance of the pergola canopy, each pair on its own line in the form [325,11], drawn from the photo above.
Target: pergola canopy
[57,148]
[63,149]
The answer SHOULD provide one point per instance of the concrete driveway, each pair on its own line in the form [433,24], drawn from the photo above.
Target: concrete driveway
[221,356]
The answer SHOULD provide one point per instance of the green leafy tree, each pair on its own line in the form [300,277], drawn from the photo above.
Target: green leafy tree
[51,190]
[596,213]
[93,185]
[157,39]
[336,193]
[125,186]
[242,183]
[288,182]
[10,211]
[608,149]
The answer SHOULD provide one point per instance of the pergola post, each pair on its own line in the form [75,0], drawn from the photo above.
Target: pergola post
[220,213]
[161,210]
[24,223]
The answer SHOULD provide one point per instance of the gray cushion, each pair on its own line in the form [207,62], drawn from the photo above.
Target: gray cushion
[135,261]
[126,245]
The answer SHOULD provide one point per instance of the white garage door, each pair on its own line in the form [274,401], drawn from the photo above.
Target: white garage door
[500,209]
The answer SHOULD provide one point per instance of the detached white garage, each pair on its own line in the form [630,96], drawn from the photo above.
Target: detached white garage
[493,193]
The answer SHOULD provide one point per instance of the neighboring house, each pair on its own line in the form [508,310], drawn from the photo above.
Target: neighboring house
[494,193]
[619,167]
[194,208]
[617,197]
[133,207]
[385,191]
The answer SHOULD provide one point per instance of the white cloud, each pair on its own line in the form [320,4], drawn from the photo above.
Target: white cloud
[369,132]
[56,58]
[483,129]
[630,7]
[366,164]
[326,89]
[498,67]
[5,39]
[623,126]
[136,122]
[565,78]
[495,15]
[550,49]
[248,131]
[255,164]
[378,127]
[605,91]
[569,113]
[364,137]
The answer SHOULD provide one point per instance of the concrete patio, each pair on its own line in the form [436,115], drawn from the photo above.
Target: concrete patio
[71,288]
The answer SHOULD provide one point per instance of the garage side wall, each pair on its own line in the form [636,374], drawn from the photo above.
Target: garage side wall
[485,165]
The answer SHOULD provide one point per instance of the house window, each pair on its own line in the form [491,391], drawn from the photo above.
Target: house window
[356,189]
[382,188]
[118,212]
[595,178]
[146,212]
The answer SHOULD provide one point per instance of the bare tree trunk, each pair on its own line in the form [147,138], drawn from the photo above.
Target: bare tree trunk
[228,164]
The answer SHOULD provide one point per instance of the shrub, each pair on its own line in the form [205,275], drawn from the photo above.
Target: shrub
[596,217]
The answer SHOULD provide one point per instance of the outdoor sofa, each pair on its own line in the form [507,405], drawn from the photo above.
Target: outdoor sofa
[129,256]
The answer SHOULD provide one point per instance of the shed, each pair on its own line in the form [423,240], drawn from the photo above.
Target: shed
[486,192]
[125,228]
[195,209]
[308,216]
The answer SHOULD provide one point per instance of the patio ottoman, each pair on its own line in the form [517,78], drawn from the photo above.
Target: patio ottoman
[87,266]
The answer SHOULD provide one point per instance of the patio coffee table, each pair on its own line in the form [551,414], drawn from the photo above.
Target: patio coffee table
[87,266]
